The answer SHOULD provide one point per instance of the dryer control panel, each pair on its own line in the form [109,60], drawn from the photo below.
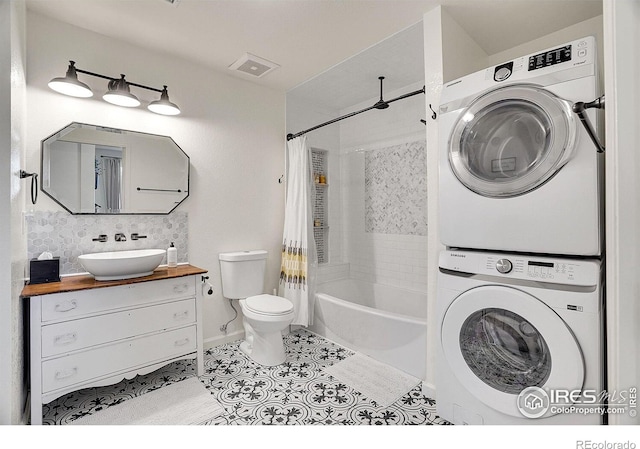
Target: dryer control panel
[570,55]
[552,57]
[524,267]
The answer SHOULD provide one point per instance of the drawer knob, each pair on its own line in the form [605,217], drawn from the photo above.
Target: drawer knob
[181,315]
[182,342]
[65,374]
[65,339]
[66,306]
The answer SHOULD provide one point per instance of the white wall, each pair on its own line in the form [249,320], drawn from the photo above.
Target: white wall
[12,242]
[303,114]
[622,67]
[233,130]
[5,220]
[461,54]
[434,73]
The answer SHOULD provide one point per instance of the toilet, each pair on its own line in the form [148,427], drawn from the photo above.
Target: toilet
[265,316]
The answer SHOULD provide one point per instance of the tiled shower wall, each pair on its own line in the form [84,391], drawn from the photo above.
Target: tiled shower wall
[386,238]
[384,193]
[395,189]
[68,236]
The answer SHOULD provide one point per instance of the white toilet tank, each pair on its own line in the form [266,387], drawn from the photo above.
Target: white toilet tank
[242,273]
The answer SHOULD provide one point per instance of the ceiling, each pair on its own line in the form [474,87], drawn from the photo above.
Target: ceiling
[399,58]
[309,37]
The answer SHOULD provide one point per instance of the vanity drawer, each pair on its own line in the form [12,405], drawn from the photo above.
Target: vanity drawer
[82,333]
[86,365]
[62,306]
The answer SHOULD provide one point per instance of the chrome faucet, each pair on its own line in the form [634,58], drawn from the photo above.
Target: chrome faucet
[120,237]
[101,238]
[136,236]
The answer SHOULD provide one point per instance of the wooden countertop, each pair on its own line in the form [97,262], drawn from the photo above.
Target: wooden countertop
[85,281]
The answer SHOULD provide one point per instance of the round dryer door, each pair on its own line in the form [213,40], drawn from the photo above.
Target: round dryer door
[511,140]
[500,340]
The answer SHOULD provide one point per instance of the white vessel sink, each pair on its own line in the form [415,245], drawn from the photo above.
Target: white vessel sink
[115,265]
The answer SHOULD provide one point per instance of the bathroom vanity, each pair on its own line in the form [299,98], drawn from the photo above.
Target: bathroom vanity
[87,333]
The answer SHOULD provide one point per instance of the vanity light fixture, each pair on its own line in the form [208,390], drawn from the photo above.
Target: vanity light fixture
[118,93]
[69,84]
[163,105]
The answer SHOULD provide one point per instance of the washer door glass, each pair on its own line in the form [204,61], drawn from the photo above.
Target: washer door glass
[511,140]
[504,350]
[499,340]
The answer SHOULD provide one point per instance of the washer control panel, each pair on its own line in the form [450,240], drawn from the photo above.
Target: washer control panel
[504,266]
[532,268]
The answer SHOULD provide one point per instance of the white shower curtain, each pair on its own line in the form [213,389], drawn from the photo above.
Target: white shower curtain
[299,260]
[112,183]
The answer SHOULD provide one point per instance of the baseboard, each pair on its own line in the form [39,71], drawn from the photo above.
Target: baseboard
[223,339]
[429,390]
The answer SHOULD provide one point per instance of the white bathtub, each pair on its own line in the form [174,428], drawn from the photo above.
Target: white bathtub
[386,323]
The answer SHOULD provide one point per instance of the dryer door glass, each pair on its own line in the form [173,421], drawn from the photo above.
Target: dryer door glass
[504,350]
[511,140]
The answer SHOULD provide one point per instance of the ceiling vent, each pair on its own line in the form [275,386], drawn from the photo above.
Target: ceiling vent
[253,65]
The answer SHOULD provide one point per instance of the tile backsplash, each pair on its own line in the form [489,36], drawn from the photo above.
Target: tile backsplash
[68,236]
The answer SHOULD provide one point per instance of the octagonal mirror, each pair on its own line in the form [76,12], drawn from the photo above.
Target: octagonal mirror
[90,169]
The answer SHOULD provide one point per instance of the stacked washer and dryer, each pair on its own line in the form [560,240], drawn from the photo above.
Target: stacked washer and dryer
[520,298]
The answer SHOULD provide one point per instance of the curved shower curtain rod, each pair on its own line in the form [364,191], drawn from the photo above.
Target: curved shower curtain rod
[380,104]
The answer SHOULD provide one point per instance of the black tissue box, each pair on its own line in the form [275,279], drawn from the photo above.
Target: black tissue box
[44,271]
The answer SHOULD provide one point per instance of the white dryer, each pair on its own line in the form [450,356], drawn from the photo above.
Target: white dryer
[517,170]
[510,324]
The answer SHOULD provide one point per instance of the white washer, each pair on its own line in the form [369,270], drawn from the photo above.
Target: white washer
[509,322]
[517,170]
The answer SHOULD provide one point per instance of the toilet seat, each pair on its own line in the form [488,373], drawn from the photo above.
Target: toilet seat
[268,305]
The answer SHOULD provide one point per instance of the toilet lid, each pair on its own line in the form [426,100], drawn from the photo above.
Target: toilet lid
[268,305]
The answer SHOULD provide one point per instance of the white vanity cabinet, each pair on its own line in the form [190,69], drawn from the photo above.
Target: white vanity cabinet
[101,334]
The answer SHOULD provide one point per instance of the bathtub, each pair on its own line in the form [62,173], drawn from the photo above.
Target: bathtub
[386,323]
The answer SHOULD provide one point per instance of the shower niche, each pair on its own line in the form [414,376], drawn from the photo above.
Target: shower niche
[320,204]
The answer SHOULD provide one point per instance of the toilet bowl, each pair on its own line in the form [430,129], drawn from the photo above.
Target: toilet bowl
[265,317]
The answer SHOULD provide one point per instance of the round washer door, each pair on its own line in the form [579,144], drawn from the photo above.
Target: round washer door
[511,140]
[500,340]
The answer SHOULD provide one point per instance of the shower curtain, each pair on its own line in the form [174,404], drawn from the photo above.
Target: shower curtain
[112,183]
[299,261]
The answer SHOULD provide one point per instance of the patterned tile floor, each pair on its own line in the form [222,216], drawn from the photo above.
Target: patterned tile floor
[297,392]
